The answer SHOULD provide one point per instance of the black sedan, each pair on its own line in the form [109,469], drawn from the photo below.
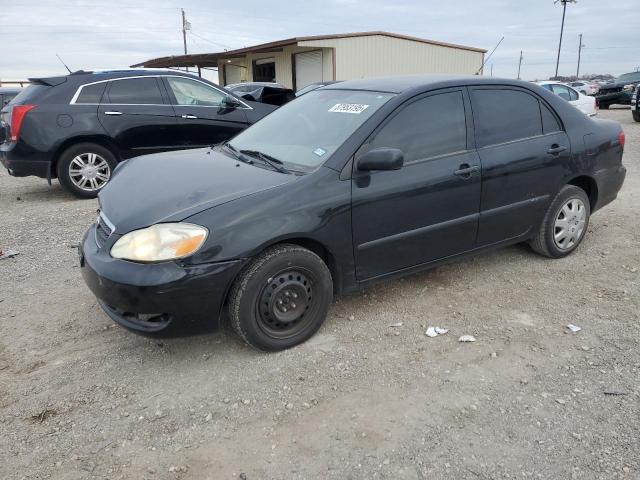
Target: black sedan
[345,186]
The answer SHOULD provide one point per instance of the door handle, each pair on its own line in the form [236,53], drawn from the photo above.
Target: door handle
[465,170]
[188,115]
[113,113]
[556,149]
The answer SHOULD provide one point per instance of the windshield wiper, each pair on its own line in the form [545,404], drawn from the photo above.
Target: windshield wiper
[273,162]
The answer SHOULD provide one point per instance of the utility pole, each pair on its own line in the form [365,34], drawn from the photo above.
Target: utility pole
[519,64]
[185,26]
[579,52]
[564,11]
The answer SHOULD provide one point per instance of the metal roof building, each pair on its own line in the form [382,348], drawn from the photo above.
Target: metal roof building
[297,62]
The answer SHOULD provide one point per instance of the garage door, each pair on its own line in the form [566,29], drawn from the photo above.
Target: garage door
[232,74]
[308,68]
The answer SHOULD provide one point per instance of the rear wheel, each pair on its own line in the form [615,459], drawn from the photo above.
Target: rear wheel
[636,115]
[281,298]
[564,224]
[85,168]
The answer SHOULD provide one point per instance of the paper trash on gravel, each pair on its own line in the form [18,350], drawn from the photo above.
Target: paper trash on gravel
[467,338]
[574,328]
[435,331]
[397,324]
[7,254]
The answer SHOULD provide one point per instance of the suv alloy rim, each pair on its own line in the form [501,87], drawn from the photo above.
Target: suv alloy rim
[569,224]
[89,171]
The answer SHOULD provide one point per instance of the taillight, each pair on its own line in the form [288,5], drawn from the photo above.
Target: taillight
[621,139]
[18,112]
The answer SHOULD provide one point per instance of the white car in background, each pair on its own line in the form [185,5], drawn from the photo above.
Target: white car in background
[585,87]
[582,102]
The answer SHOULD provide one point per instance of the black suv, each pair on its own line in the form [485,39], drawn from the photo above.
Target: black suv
[79,126]
[619,92]
[6,95]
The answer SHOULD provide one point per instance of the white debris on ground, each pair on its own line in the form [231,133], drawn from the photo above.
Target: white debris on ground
[467,338]
[7,254]
[574,328]
[435,331]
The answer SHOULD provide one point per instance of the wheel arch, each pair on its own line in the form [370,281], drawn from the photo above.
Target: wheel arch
[590,187]
[101,140]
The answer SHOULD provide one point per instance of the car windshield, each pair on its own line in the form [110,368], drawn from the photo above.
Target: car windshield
[304,133]
[629,77]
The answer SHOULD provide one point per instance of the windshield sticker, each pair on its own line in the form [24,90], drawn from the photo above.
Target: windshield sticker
[319,151]
[348,108]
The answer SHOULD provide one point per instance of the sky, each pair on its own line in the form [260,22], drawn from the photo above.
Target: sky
[92,34]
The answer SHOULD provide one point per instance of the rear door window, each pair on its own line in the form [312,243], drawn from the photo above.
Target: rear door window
[550,123]
[135,91]
[430,127]
[504,115]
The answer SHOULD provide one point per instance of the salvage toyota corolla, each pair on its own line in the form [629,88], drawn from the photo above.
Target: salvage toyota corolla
[350,184]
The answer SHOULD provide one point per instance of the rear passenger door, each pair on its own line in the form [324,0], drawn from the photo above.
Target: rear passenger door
[202,117]
[428,209]
[522,148]
[136,115]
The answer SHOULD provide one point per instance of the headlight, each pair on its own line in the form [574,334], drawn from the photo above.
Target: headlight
[629,86]
[164,241]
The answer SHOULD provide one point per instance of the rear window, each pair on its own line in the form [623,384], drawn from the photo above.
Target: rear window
[91,93]
[505,115]
[29,93]
[135,91]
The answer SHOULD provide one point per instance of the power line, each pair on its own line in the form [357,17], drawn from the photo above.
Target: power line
[210,41]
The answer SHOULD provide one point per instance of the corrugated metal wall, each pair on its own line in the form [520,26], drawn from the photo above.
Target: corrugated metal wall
[378,55]
[284,67]
[369,56]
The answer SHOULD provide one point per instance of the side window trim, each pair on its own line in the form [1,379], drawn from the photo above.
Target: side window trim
[405,104]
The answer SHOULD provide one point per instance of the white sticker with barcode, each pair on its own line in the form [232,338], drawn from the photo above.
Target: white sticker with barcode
[348,108]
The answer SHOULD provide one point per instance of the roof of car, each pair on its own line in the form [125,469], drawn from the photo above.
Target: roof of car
[400,84]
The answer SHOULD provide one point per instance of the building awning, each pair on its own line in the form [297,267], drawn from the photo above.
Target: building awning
[211,59]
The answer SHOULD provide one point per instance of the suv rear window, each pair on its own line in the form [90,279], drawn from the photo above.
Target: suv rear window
[91,93]
[135,91]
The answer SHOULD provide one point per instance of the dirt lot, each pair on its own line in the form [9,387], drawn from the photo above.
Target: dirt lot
[83,398]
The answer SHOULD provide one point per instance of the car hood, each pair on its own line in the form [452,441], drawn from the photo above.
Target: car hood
[172,186]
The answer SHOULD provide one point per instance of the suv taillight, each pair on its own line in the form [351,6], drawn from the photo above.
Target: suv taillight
[621,139]
[18,112]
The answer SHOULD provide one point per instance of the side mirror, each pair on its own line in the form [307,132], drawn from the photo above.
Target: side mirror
[381,159]
[230,102]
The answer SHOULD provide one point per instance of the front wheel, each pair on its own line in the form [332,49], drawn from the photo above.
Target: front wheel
[85,168]
[281,298]
[564,224]
[636,115]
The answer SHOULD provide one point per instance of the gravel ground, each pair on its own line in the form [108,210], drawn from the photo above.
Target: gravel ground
[83,398]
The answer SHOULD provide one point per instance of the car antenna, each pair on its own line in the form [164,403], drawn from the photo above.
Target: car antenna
[489,56]
[65,65]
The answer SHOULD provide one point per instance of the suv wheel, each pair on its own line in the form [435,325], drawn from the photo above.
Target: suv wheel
[636,115]
[281,298]
[84,169]
[564,224]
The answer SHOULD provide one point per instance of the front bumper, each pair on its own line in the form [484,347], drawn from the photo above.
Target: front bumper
[162,299]
[22,161]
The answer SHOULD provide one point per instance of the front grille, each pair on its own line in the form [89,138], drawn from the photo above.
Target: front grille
[103,231]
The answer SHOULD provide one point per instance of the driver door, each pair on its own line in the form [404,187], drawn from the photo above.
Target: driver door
[202,118]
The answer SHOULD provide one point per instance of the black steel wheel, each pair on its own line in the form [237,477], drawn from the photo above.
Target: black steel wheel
[281,298]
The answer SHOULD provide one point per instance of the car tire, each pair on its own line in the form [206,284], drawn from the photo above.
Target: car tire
[636,115]
[604,106]
[564,225]
[85,168]
[281,298]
